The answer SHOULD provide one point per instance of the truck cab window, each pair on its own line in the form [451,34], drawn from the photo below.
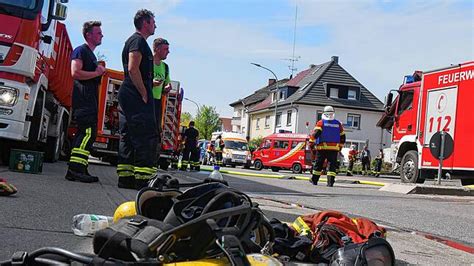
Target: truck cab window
[406,102]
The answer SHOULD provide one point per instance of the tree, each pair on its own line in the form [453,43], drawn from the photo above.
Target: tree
[185,118]
[207,121]
[255,143]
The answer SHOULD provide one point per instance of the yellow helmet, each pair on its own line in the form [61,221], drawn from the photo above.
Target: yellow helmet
[125,209]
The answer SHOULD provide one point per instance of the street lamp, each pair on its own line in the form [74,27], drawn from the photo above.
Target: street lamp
[197,105]
[277,92]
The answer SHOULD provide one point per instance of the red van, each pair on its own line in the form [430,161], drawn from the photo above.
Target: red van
[283,151]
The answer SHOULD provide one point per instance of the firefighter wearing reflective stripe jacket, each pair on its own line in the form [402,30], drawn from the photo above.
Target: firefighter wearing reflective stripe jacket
[329,137]
[191,150]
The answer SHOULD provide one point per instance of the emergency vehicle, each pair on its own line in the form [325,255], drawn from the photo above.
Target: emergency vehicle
[236,150]
[35,76]
[283,151]
[429,102]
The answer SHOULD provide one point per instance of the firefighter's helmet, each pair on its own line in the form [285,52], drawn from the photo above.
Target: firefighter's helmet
[125,209]
[328,113]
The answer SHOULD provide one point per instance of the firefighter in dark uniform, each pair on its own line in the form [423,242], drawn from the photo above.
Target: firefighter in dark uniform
[138,132]
[87,74]
[191,150]
[219,148]
[330,137]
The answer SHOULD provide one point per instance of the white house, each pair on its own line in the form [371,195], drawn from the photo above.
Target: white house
[302,99]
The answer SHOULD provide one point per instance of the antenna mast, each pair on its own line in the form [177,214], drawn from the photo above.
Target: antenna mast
[293,58]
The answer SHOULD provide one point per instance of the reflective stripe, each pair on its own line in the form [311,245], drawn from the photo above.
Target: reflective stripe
[316,172]
[301,227]
[331,173]
[86,138]
[125,167]
[145,170]
[125,173]
[342,133]
[329,148]
[317,128]
[78,160]
[81,151]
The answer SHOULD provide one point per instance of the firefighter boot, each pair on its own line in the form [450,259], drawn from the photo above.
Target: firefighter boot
[141,183]
[92,176]
[331,180]
[75,175]
[126,182]
[314,179]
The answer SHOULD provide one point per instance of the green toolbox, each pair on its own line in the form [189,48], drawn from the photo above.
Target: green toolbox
[26,161]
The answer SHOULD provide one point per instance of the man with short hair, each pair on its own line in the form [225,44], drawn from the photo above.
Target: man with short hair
[86,73]
[138,133]
[161,78]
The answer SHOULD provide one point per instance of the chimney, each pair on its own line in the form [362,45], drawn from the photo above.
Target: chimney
[335,59]
[271,81]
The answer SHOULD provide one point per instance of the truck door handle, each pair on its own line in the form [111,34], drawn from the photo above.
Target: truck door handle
[409,127]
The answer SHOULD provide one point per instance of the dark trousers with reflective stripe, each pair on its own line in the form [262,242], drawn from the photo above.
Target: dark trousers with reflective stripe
[321,156]
[190,156]
[138,137]
[81,146]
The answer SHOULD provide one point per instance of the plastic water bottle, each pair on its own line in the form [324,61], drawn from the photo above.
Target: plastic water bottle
[88,224]
[216,175]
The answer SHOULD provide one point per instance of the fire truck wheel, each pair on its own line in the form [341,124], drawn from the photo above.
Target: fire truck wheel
[409,171]
[296,168]
[258,165]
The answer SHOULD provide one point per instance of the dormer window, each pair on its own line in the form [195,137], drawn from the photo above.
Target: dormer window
[337,91]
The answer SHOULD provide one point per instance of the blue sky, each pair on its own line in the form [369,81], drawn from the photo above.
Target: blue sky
[213,42]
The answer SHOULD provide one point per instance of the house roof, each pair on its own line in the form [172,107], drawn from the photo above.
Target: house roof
[312,92]
[259,95]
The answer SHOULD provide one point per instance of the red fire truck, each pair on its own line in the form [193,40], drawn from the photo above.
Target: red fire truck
[283,151]
[35,76]
[429,102]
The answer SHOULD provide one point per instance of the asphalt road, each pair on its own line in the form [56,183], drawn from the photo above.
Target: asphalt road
[40,214]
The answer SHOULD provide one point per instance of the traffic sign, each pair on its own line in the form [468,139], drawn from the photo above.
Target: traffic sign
[436,142]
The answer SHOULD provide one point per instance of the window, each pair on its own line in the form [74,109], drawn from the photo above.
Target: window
[258,123]
[267,121]
[339,91]
[288,118]
[278,119]
[353,121]
[266,144]
[319,115]
[282,95]
[281,144]
[352,95]
[274,97]
[295,143]
[405,102]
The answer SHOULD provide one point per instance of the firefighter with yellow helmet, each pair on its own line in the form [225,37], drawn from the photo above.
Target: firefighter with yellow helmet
[328,139]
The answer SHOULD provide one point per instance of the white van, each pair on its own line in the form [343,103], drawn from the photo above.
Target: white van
[236,150]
